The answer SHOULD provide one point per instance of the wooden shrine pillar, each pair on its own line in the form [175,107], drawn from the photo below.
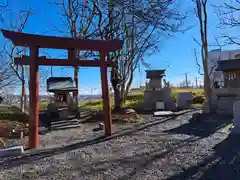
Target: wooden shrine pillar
[105,96]
[34,104]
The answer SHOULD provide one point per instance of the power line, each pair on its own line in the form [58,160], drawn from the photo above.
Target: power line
[196,82]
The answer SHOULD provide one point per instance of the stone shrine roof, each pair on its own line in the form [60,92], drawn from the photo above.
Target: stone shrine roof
[155,73]
[228,65]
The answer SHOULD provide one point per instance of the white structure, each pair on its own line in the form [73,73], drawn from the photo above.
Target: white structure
[218,55]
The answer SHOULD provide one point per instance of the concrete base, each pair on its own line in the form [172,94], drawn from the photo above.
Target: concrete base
[163,113]
[12,151]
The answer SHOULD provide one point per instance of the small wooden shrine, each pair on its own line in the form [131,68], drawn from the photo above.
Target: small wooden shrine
[63,103]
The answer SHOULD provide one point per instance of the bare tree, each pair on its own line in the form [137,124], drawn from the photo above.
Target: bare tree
[202,16]
[140,23]
[3,8]
[142,26]
[229,15]
[12,51]
[7,76]
[78,17]
[212,63]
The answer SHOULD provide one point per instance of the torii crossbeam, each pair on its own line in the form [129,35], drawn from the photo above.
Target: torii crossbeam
[34,42]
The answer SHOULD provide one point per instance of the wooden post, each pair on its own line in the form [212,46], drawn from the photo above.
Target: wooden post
[105,96]
[72,57]
[76,82]
[34,104]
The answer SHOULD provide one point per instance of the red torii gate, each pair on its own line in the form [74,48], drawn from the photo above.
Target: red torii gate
[34,42]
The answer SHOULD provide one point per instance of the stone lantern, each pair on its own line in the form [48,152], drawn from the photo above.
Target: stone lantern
[155,79]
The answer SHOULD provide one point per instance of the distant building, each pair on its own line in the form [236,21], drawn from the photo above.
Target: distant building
[217,55]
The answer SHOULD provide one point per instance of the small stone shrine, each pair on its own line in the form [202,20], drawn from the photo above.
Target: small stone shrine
[155,92]
[223,98]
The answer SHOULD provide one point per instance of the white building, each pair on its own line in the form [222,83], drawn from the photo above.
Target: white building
[217,55]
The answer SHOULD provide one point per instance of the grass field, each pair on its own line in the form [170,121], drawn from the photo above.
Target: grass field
[11,116]
[136,99]
[132,100]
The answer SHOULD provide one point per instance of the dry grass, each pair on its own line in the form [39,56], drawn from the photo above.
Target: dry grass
[9,121]
[130,118]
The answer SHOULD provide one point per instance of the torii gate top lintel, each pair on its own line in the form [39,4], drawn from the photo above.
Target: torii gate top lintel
[40,41]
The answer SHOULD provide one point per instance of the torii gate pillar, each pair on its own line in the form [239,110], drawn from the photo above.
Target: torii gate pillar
[34,104]
[105,96]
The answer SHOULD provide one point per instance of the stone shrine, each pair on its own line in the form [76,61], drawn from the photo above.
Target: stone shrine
[224,97]
[155,92]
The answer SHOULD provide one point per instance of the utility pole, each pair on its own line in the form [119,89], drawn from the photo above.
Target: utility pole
[186,80]
[196,82]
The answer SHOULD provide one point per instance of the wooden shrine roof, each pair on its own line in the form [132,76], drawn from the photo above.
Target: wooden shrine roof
[60,84]
[40,41]
[229,65]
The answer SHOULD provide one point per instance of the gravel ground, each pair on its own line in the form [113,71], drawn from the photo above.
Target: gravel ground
[155,149]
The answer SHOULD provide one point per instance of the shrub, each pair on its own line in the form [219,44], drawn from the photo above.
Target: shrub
[16,116]
[198,99]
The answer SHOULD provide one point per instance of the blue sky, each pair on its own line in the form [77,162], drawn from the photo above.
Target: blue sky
[176,53]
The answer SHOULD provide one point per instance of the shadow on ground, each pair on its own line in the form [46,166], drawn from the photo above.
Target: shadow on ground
[204,127]
[224,164]
[138,162]
[40,154]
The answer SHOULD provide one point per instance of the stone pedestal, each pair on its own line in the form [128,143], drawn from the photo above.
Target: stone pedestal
[162,95]
[223,100]
[225,107]
[236,116]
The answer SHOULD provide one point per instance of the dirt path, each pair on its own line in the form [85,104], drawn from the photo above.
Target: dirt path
[155,149]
